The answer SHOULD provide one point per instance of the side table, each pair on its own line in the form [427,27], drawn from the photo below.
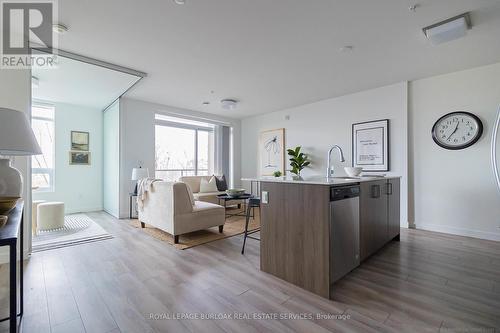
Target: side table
[9,235]
[131,196]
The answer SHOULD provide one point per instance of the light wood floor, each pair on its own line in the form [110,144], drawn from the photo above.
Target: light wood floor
[426,283]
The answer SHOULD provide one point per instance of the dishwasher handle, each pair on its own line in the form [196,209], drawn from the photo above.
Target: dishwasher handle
[344,192]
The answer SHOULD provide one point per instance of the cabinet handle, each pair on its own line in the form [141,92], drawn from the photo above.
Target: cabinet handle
[375,191]
[389,189]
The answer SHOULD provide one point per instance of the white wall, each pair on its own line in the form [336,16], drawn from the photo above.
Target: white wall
[78,186]
[454,191]
[137,145]
[111,159]
[137,140]
[318,126]
[15,93]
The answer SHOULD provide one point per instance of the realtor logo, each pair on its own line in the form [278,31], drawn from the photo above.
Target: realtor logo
[25,24]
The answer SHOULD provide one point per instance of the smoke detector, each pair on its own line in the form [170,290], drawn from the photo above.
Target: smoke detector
[346,48]
[229,104]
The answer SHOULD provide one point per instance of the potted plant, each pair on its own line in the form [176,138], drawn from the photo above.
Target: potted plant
[298,161]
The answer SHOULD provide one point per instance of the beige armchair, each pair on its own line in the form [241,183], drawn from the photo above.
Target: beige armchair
[171,207]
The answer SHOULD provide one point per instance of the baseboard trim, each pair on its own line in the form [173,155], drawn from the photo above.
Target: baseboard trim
[4,257]
[83,211]
[458,231]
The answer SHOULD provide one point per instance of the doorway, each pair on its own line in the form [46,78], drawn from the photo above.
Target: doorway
[68,104]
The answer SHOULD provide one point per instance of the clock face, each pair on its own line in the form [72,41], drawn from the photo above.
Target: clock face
[457,130]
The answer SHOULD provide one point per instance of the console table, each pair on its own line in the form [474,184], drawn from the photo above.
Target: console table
[9,235]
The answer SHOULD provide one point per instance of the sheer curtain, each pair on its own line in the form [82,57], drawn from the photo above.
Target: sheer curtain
[222,151]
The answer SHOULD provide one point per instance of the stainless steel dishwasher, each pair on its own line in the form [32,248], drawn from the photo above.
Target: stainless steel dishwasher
[344,230]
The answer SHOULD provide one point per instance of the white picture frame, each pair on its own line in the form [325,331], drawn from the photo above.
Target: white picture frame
[370,145]
[272,152]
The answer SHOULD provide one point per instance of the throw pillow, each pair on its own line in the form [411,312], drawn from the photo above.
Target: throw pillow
[221,183]
[208,186]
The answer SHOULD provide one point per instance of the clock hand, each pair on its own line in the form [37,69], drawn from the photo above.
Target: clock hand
[456,128]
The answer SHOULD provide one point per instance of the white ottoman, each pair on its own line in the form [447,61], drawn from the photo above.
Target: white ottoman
[50,215]
[34,214]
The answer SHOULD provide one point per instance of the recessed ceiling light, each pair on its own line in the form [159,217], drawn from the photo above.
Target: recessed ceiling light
[346,48]
[180,2]
[59,28]
[229,104]
[206,103]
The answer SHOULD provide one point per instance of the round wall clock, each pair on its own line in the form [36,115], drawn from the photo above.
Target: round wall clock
[457,130]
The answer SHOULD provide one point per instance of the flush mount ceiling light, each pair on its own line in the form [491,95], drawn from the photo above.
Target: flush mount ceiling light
[59,28]
[448,30]
[346,48]
[229,104]
[180,2]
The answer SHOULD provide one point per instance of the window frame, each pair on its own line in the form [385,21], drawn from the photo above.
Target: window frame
[50,171]
[196,129]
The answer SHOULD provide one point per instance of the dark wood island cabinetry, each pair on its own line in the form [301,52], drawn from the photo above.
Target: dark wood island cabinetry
[295,228]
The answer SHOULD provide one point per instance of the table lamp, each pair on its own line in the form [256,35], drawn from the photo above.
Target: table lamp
[139,173]
[16,139]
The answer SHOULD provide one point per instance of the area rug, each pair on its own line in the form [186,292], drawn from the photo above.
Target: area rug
[78,229]
[234,226]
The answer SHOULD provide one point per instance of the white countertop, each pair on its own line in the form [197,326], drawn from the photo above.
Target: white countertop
[318,180]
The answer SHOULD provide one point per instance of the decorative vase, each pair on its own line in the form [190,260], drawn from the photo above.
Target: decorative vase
[3,220]
[297,177]
[11,181]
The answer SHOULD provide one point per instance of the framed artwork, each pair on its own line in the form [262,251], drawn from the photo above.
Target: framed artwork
[79,141]
[79,158]
[272,152]
[370,145]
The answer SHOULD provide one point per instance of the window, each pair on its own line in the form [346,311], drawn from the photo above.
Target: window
[42,166]
[183,148]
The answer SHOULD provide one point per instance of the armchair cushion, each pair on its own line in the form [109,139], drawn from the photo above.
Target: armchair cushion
[204,215]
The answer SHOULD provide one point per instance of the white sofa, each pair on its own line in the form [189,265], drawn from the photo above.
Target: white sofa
[171,207]
[194,184]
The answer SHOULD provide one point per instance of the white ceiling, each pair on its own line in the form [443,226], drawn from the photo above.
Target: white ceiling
[274,54]
[80,83]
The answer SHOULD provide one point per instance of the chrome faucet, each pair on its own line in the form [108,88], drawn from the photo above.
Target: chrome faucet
[329,167]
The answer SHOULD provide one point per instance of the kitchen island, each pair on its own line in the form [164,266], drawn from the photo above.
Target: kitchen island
[310,238]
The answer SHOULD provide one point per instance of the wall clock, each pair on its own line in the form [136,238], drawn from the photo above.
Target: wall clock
[457,130]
